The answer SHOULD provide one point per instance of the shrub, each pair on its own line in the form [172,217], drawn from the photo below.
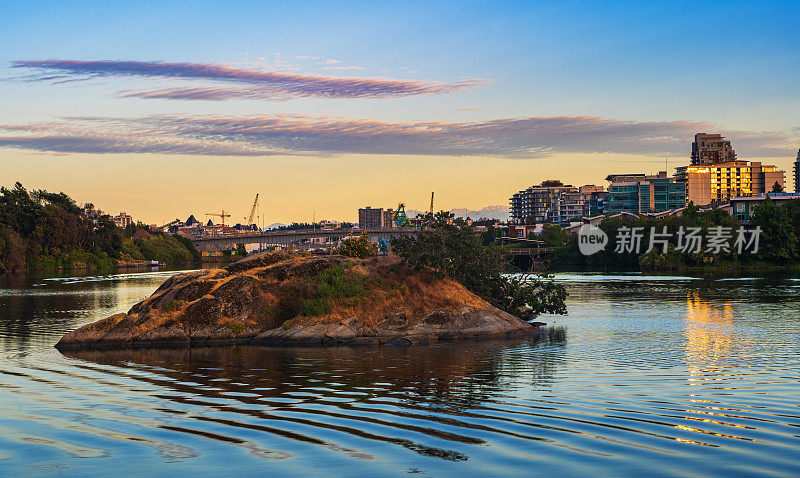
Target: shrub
[360,247]
[316,297]
[458,253]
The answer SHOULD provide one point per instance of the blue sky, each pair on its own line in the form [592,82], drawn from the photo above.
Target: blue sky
[635,79]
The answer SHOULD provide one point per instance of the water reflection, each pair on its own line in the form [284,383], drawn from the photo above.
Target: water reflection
[38,310]
[432,401]
[709,332]
[673,375]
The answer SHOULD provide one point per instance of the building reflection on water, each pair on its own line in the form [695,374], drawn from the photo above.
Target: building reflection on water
[709,334]
[710,346]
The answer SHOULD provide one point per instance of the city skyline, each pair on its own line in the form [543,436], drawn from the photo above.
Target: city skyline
[173,119]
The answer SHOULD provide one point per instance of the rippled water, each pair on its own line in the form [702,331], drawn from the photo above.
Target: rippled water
[656,376]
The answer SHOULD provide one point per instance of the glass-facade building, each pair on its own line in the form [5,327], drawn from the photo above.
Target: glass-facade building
[639,193]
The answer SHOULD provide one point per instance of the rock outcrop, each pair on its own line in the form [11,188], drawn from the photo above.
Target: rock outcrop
[286,298]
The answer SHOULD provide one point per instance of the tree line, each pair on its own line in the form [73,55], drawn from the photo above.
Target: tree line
[778,243]
[46,230]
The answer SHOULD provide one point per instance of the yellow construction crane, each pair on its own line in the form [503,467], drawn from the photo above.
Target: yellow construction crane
[252,212]
[222,215]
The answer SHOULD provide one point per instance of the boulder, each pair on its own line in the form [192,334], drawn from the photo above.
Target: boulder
[284,298]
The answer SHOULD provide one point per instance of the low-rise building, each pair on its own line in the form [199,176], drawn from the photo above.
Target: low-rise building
[743,207]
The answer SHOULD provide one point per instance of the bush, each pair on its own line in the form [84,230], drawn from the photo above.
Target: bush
[458,253]
[316,297]
[360,247]
[163,249]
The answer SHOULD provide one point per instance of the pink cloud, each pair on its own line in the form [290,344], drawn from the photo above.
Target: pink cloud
[258,83]
[314,135]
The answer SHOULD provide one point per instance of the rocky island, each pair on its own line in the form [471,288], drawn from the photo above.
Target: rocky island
[283,298]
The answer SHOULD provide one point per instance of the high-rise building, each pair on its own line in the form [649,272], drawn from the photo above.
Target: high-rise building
[711,149]
[388,218]
[539,203]
[797,173]
[715,174]
[553,201]
[369,218]
[574,205]
[722,181]
[638,193]
[122,220]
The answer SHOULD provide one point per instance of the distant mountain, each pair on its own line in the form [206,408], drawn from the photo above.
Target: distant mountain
[489,212]
[275,225]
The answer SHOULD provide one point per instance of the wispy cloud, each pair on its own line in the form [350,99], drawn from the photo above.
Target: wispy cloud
[250,83]
[117,137]
[308,135]
[342,68]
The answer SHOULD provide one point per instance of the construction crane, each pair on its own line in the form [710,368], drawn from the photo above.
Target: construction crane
[431,211]
[400,218]
[253,212]
[222,215]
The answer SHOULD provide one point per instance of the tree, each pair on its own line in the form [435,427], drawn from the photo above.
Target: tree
[240,250]
[489,236]
[458,253]
[360,247]
[43,229]
[778,242]
[552,183]
[777,188]
[553,235]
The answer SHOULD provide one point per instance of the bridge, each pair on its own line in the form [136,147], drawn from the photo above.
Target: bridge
[304,239]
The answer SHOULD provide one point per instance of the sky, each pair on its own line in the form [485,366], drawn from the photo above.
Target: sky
[164,109]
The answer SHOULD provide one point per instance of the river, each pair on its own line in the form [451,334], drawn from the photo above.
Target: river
[661,376]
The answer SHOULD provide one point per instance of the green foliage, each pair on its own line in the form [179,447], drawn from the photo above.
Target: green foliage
[779,243]
[528,295]
[553,235]
[337,283]
[165,249]
[240,250]
[360,247]
[317,296]
[316,306]
[551,183]
[489,236]
[777,188]
[568,257]
[236,327]
[187,244]
[332,283]
[458,253]
[130,251]
[44,230]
